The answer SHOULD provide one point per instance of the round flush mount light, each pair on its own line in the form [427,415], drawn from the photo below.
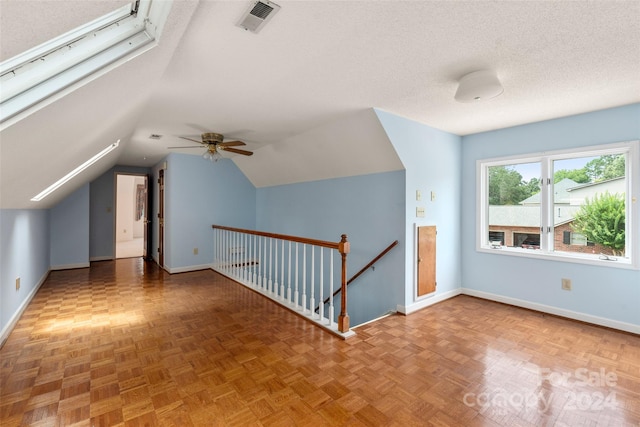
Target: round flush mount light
[478,86]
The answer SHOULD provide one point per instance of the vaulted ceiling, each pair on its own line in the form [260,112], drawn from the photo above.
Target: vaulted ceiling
[288,88]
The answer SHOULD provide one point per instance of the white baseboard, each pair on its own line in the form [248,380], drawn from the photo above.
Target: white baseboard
[4,334]
[70,266]
[172,270]
[588,318]
[101,258]
[426,302]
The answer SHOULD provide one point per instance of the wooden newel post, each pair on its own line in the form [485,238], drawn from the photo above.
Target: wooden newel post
[343,318]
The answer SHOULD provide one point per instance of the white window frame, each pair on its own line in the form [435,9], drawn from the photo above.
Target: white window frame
[546,251]
[41,75]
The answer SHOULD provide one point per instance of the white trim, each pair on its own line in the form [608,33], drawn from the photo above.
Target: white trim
[427,301]
[70,266]
[188,268]
[101,258]
[575,315]
[389,313]
[6,331]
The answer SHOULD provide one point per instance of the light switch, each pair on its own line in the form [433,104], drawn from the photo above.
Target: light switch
[418,195]
[433,196]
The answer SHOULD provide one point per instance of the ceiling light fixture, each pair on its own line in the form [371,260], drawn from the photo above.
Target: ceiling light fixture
[212,154]
[75,172]
[478,86]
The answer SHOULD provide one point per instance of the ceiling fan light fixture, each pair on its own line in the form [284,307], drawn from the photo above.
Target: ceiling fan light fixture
[478,86]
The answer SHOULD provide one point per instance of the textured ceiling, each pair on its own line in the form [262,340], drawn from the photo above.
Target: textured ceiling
[320,61]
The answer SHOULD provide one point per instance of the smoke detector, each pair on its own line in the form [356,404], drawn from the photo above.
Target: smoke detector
[257,15]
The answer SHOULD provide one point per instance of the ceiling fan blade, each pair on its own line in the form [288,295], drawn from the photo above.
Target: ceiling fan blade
[188,146]
[231,144]
[192,140]
[237,151]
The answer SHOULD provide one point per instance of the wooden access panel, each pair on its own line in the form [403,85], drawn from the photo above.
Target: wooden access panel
[426,259]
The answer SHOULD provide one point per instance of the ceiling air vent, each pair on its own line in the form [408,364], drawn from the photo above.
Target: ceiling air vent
[258,14]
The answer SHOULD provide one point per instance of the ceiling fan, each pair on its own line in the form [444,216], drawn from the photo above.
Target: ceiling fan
[214,143]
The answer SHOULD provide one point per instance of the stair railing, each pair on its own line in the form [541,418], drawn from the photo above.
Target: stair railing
[289,270]
[362,270]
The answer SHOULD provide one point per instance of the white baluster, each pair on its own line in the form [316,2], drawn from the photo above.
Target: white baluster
[304,278]
[225,254]
[229,254]
[264,268]
[217,246]
[270,277]
[289,275]
[245,253]
[259,261]
[243,256]
[296,295]
[253,259]
[274,285]
[331,308]
[281,296]
[312,299]
[321,300]
[236,255]
[234,263]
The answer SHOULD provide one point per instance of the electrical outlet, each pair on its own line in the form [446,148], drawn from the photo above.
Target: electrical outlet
[566,284]
[195,251]
[420,212]
[17,283]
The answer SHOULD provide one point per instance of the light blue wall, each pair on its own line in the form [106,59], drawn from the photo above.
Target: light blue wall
[102,211]
[199,193]
[24,253]
[432,161]
[610,293]
[69,225]
[369,209]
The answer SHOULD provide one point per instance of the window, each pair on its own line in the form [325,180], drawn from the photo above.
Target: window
[65,62]
[575,205]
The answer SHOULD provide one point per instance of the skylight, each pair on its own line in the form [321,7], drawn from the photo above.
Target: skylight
[59,183]
[47,72]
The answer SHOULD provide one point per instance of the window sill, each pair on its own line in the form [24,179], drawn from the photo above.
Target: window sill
[624,263]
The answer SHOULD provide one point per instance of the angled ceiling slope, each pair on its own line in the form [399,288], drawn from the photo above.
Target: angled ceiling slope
[47,144]
[353,145]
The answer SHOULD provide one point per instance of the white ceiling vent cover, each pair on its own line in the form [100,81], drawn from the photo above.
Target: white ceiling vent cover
[257,15]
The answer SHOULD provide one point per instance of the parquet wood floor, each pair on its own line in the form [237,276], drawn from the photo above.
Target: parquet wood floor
[125,344]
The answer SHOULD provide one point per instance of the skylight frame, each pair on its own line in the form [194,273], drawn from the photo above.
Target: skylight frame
[47,72]
[68,177]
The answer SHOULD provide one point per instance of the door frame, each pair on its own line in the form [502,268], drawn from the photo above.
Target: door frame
[145,243]
[161,216]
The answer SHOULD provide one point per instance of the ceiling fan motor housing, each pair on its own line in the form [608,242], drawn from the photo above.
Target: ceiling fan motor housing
[212,138]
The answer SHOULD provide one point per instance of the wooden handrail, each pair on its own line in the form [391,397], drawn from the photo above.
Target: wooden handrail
[365,268]
[323,243]
[342,246]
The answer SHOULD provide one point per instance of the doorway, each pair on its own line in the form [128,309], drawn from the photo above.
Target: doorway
[131,216]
